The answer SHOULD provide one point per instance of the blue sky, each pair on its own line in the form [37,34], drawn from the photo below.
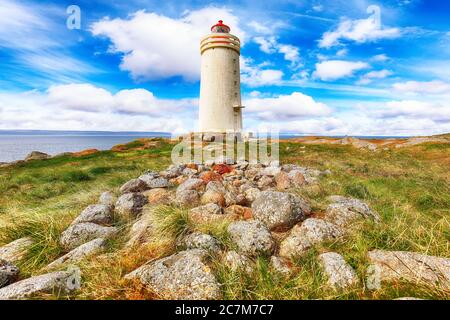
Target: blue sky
[310,67]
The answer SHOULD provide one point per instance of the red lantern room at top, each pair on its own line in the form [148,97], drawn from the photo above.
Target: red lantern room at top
[220,28]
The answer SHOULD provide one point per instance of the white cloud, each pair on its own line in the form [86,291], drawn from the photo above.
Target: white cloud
[285,107]
[417,87]
[155,46]
[270,45]
[337,69]
[342,52]
[255,76]
[260,28]
[380,74]
[380,57]
[362,30]
[318,8]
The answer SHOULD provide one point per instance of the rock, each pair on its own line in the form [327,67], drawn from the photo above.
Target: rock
[358,143]
[347,210]
[157,196]
[211,196]
[266,182]
[339,273]
[188,172]
[253,173]
[282,181]
[198,240]
[130,204]
[148,176]
[280,265]
[238,262]
[187,197]
[58,283]
[271,171]
[416,268]
[141,231]
[191,184]
[244,212]
[182,276]
[222,168]
[215,186]
[134,185]
[173,171]
[36,155]
[303,236]
[81,233]
[210,213]
[85,250]
[278,210]
[297,178]
[107,199]
[252,194]
[158,183]
[209,176]
[8,273]
[251,237]
[16,250]
[95,213]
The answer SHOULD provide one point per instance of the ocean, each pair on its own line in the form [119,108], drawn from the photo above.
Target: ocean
[17,144]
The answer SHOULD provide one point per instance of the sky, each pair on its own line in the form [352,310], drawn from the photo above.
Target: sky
[343,67]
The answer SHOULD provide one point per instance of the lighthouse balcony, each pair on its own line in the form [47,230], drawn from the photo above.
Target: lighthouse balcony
[222,40]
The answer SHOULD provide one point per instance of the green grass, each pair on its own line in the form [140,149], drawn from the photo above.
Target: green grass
[408,187]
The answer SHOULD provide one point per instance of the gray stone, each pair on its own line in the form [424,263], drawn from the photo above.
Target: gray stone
[251,237]
[182,276]
[215,186]
[149,176]
[238,262]
[158,183]
[340,275]
[279,210]
[107,198]
[36,155]
[57,283]
[412,267]
[191,184]
[142,230]
[252,194]
[134,185]
[130,204]
[8,273]
[271,171]
[307,234]
[81,233]
[16,250]
[96,213]
[85,250]
[198,240]
[173,171]
[280,265]
[347,210]
[187,197]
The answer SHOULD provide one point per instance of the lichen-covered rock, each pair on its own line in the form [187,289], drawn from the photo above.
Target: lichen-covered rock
[281,265]
[157,196]
[211,196]
[266,182]
[307,234]
[16,250]
[81,233]
[187,197]
[130,204]
[251,194]
[142,230]
[107,199]
[96,213]
[182,276]
[282,181]
[278,210]
[271,171]
[340,275]
[215,186]
[173,171]
[58,283]
[210,213]
[209,176]
[238,262]
[412,267]
[347,210]
[36,155]
[134,185]
[198,240]
[251,237]
[297,178]
[244,212]
[8,273]
[85,250]
[158,183]
[191,184]
[149,176]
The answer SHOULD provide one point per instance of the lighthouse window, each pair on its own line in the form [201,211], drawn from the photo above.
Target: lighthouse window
[235,94]
[235,83]
[234,71]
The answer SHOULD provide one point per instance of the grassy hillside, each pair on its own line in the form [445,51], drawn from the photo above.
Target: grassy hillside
[409,187]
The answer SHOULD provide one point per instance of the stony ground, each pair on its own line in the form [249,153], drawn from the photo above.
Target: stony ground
[329,222]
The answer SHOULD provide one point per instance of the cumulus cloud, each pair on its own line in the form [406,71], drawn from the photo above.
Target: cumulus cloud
[256,76]
[337,69]
[155,46]
[361,30]
[380,57]
[418,87]
[370,76]
[271,45]
[285,107]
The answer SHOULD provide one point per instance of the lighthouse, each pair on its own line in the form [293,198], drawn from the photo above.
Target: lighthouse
[220,108]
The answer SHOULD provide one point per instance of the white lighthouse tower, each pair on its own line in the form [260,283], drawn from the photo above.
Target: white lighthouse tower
[220,109]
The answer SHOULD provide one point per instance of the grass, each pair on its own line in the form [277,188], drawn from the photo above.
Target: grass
[408,187]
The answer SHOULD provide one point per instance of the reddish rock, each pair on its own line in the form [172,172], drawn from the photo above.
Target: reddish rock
[192,166]
[209,176]
[222,168]
[244,212]
[282,181]
[85,152]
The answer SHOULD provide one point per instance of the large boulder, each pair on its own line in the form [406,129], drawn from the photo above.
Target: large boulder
[345,211]
[81,233]
[16,250]
[210,213]
[142,230]
[340,275]
[58,283]
[252,238]
[182,276]
[107,198]
[412,267]
[8,273]
[198,240]
[130,204]
[85,250]
[158,196]
[278,210]
[191,184]
[96,213]
[307,234]
[134,185]
[158,183]
[187,197]
[211,196]
[36,155]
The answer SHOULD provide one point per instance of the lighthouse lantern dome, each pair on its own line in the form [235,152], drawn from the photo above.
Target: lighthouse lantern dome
[220,28]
